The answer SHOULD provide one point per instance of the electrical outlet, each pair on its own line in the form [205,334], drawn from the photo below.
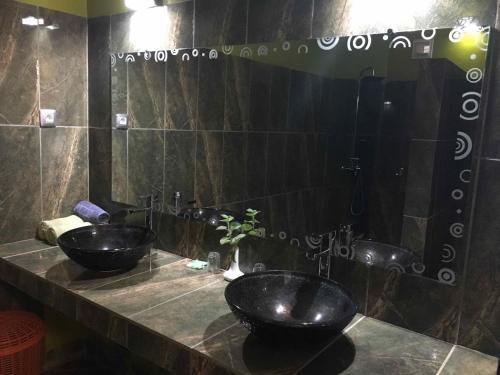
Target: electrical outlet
[47,118]
[121,121]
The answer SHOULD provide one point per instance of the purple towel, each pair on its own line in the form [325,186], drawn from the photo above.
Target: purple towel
[90,212]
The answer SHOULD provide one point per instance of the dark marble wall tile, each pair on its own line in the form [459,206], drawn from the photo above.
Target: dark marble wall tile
[100,164]
[181,25]
[279,20]
[301,108]
[64,170]
[279,99]
[208,168]
[119,89]
[237,102]
[345,17]
[99,80]
[256,161]
[145,163]
[480,326]
[316,145]
[234,177]
[120,25]
[146,94]
[119,155]
[18,42]
[491,142]
[63,67]
[296,165]
[182,86]
[276,150]
[260,96]
[230,16]
[416,233]
[404,300]
[180,152]
[419,185]
[211,89]
[20,208]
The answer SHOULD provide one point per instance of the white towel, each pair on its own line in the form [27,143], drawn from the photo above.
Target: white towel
[50,230]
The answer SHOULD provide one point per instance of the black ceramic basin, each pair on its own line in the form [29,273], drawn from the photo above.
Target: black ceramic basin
[387,256]
[107,247]
[211,216]
[284,306]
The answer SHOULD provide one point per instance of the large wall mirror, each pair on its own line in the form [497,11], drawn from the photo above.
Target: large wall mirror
[369,137]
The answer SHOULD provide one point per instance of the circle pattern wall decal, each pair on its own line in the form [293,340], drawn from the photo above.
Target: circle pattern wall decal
[457,230]
[424,34]
[359,42]
[470,105]
[465,176]
[447,276]
[327,43]
[474,75]
[262,51]
[449,253]
[400,41]
[463,146]
[457,194]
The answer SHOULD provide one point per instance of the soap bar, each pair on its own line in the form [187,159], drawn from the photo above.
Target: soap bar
[197,264]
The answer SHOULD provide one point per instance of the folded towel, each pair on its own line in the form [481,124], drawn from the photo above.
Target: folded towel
[50,230]
[197,264]
[90,212]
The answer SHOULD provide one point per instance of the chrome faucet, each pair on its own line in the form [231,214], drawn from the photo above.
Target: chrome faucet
[147,203]
[344,241]
[177,203]
[324,256]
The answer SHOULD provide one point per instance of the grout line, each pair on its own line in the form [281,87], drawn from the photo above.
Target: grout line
[443,365]
[215,334]
[29,252]
[329,345]
[173,299]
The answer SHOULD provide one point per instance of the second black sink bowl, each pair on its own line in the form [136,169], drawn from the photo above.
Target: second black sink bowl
[107,247]
[284,306]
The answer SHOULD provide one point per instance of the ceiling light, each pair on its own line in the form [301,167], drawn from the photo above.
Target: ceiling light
[54,26]
[32,21]
[142,4]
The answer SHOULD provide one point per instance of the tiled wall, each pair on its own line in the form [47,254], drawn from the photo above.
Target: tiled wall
[43,172]
[416,303]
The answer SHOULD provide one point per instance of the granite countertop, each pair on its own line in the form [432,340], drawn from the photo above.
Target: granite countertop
[178,319]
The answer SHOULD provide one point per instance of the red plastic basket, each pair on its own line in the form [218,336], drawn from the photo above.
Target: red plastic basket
[21,335]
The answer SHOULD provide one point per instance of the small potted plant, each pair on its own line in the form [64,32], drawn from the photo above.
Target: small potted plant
[235,232]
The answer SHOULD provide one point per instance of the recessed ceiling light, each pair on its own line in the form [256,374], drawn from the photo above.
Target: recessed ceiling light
[32,21]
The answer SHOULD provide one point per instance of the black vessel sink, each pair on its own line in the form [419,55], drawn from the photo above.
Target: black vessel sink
[211,216]
[284,306]
[107,247]
[387,256]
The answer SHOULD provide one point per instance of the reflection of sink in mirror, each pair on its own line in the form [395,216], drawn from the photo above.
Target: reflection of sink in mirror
[211,216]
[382,255]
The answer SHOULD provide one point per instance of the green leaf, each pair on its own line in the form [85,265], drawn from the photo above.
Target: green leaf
[235,225]
[222,227]
[246,227]
[224,240]
[224,216]
[237,239]
[253,233]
